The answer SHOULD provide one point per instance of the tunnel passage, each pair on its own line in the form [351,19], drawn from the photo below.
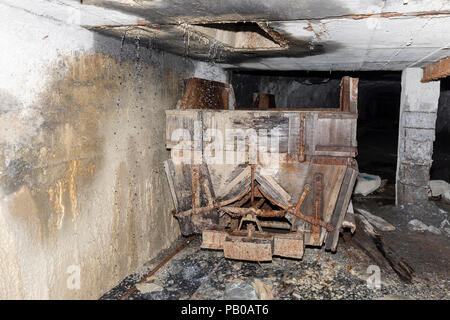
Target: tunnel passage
[440,169]
[378,107]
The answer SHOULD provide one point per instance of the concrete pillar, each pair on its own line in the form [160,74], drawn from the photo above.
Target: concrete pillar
[418,111]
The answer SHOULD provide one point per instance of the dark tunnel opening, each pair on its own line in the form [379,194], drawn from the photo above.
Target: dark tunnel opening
[378,107]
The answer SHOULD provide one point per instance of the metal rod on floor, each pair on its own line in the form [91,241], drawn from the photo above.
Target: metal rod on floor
[148,275]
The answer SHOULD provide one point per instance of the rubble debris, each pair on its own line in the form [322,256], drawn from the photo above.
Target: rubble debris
[439,187]
[445,226]
[446,196]
[418,225]
[264,291]
[239,291]
[378,222]
[366,183]
[147,287]
[349,219]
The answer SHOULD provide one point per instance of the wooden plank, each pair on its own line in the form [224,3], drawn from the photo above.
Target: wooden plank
[437,70]
[378,222]
[270,188]
[170,173]
[379,251]
[334,137]
[341,208]
[236,185]
[349,94]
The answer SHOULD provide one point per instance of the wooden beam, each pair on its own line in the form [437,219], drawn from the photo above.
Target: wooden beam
[437,70]
[208,94]
[349,94]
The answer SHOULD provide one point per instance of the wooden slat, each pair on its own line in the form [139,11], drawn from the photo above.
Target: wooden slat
[437,70]
[341,208]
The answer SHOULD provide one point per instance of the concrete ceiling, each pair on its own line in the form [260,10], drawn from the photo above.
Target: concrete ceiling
[322,35]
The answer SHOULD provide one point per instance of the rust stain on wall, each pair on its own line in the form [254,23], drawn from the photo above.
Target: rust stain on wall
[82,157]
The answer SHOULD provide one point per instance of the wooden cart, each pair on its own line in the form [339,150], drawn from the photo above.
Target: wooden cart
[258,183]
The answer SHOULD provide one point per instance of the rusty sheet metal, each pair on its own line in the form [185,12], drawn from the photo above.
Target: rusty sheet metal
[213,239]
[301,147]
[318,204]
[289,246]
[261,246]
[242,248]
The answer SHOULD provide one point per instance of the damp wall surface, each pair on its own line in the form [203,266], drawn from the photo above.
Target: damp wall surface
[84,200]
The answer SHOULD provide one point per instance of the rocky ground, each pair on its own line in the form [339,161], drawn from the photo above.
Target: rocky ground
[205,274]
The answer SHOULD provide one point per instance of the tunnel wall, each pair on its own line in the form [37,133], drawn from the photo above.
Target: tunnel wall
[84,200]
[289,91]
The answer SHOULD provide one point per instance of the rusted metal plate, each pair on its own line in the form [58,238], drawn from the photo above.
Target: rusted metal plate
[254,248]
[213,239]
[242,248]
[289,246]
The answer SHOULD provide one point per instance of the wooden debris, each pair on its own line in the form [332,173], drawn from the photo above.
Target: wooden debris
[349,219]
[378,222]
[382,254]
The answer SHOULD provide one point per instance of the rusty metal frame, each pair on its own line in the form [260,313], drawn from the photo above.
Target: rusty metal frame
[237,210]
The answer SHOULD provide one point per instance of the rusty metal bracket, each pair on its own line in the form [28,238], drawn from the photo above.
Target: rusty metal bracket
[300,201]
[318,202]
[310,219]
[301,147]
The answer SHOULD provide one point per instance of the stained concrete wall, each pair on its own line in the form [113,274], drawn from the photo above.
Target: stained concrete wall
[82,185]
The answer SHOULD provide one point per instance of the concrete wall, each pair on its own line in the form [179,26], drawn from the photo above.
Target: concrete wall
[418,112]
[82,185]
